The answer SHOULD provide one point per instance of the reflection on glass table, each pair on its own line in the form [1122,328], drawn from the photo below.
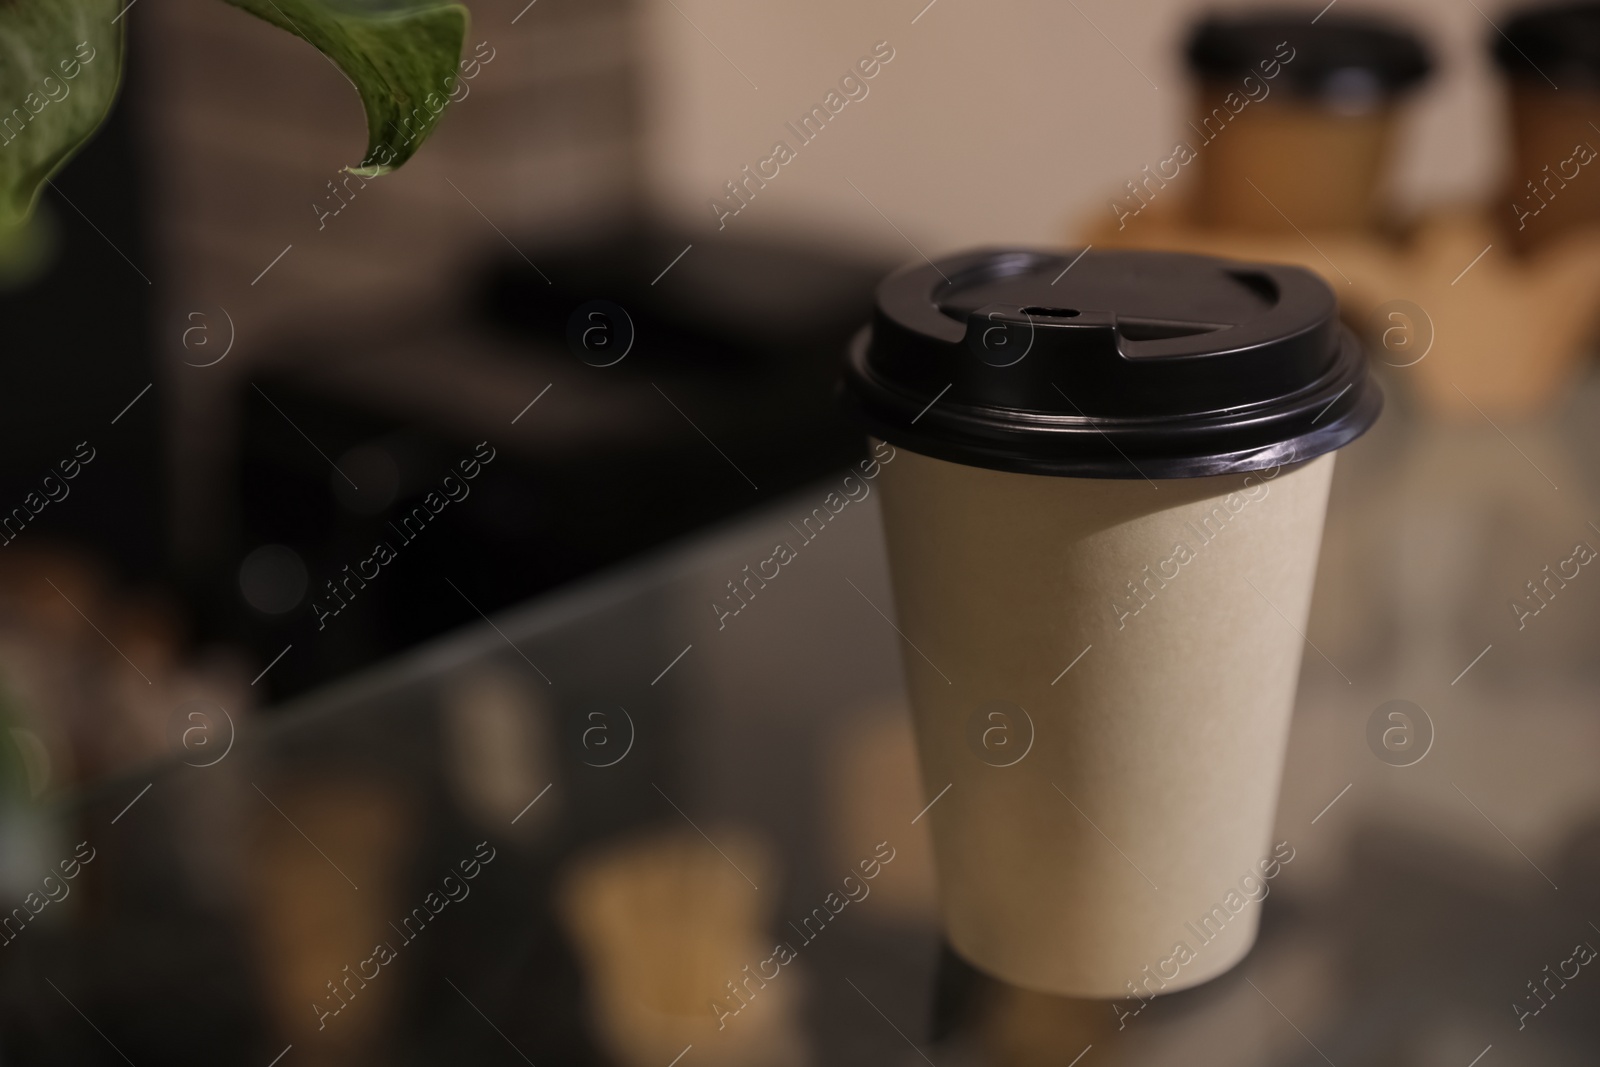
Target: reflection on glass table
[673,815]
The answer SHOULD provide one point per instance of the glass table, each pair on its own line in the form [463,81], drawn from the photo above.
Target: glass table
[573,833]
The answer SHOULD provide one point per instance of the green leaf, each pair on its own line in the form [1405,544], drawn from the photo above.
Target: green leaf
[60,64]
[401,55]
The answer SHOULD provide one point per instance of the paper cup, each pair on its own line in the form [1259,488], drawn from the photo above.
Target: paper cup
[1552,186]
[1293,120]
[1150,788]
[1555,169]
[1102,572]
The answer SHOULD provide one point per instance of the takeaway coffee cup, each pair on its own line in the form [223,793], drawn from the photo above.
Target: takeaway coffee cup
[1554,182]
[1103,513]
[1293,120]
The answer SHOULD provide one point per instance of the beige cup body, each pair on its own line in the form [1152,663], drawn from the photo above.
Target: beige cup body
[1282,164]
[1143,781]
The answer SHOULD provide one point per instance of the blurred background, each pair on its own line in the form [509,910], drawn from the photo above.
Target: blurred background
[263,367]
[288,329]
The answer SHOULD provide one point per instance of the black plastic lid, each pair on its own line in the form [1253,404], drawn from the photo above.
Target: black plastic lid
[1340,57]
[1557,43]
[1110,364]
